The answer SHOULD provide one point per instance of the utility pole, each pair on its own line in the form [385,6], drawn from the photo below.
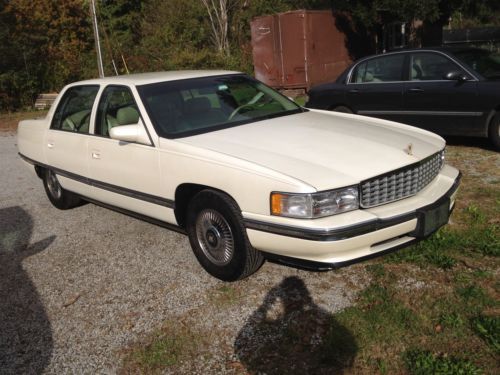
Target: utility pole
[96,38]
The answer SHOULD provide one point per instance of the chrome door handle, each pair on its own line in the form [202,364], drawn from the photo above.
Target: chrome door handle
[416,90]
[354,91]
[96,155]
[50,144]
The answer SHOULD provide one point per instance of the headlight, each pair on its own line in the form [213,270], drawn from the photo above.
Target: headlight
[314,205]
[442,156]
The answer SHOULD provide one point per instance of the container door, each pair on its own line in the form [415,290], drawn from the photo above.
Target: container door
[292,31]
[266,50]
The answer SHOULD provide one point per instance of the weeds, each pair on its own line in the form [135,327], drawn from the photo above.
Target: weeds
[488,328]
[451,320]
[420,362]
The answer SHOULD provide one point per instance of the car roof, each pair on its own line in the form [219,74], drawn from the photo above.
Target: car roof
[155,77]
[445,49]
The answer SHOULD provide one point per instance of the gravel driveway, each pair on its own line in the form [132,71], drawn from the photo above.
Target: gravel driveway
[79,286]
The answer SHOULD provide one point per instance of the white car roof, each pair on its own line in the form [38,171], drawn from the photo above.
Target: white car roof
[146,78]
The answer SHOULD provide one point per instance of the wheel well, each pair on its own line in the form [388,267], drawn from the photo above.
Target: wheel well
[332,107]
[183,195]
[39,171]
[491,116]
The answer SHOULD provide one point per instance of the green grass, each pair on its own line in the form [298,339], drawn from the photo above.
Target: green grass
[419,362]
[451,321]
[301,100]
[163,352]
[387,320]
[488,328]
[224,295]
[479,238]
[171,345]
[474,299]
[378,318]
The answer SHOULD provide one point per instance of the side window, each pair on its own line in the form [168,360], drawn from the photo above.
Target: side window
[427,66]
[73,112]
[380,69]
[117,107]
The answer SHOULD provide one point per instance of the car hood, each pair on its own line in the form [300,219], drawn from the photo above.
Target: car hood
[323,149]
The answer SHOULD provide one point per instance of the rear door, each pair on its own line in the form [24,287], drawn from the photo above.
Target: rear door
[375,87]
[66,141]
[438,104]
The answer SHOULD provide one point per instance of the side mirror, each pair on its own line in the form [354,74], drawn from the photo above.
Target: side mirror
[130,133]
[456,75]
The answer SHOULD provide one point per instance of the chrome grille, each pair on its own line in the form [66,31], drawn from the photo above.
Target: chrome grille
[400,183]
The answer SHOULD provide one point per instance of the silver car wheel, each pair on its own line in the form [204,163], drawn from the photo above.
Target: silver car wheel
[215,237]
[53,185]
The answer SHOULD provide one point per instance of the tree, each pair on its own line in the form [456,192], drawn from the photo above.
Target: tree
[219,21]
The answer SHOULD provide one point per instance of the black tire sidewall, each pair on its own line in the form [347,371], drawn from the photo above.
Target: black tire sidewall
[207,199]
[342,109]
[65,201]
[493,131]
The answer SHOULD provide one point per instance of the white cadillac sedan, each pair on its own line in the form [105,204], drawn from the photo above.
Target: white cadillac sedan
[245,172]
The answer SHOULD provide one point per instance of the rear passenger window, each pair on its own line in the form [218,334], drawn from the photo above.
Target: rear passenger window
[116,108]
[381,69]
[74,109]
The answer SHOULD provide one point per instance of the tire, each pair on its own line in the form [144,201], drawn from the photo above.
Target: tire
[58,196]
[218,237]
[342,109]
[494,131]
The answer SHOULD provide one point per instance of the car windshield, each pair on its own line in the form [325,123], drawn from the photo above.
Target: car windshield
[193,106]
[484,62]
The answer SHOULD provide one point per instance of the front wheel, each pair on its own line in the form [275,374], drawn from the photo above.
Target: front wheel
[218,237]
[58,196]
[494,131]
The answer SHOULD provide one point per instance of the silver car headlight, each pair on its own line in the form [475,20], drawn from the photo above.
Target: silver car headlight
[314,205]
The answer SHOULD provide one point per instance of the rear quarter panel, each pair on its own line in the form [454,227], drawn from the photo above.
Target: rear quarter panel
[30,138]
[327,96]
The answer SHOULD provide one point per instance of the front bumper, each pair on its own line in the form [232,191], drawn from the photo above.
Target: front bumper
[330,243]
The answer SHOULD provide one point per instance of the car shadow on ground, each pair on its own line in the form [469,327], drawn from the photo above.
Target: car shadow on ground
[25,331]
[290,334]
[478,142]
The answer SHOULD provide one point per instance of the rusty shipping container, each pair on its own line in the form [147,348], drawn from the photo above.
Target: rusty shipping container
[298,49]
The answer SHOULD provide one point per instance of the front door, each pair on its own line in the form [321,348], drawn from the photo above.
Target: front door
[438,104]
[124,174]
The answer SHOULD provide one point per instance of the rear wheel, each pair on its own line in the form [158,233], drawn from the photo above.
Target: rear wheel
[342,109]
[218,237]
[58,196]
[494,131]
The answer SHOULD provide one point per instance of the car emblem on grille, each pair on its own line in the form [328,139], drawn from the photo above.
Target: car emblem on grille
[409,149]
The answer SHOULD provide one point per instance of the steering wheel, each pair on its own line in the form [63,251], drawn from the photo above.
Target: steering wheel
[70,123]
[250,103]
[237,110]
[83,121]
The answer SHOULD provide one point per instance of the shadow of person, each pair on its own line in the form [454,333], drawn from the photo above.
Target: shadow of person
[290,334]
[25,331]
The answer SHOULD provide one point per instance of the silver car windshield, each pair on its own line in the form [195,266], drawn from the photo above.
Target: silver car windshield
[193,106]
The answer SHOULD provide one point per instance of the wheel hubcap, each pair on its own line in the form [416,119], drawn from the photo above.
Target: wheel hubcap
[215,237]
[53,185]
